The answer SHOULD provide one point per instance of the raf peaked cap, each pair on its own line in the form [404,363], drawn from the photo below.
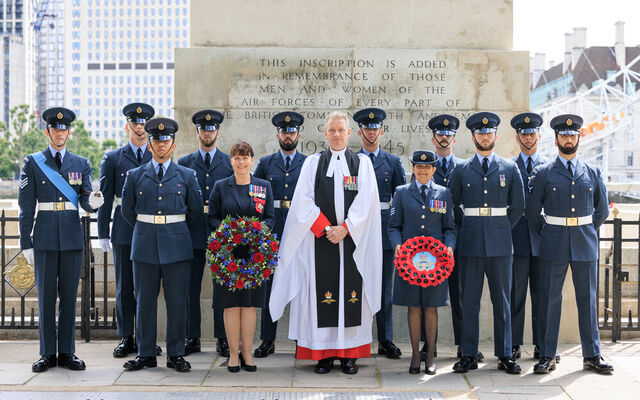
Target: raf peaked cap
[483,122]
[526,122]
[566,124]
[209,120]
[161,128]
[444,124]
[59,117]
[138,113]
[288,121]
[370,118]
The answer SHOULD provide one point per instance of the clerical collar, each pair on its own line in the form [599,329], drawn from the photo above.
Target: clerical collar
[338,163]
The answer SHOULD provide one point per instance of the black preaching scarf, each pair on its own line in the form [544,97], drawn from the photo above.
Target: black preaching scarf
[327,255]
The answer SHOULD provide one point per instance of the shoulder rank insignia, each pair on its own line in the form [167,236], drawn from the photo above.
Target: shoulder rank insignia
[350,183]
[354,298]
[328,298]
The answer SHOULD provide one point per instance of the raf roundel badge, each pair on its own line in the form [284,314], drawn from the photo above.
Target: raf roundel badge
[139,110]
[527,120]
[208,117]
[287,119]
[445,122]
[569,122]
[485,120]
[423,157]
[59,115]
[371,115]
[161,127]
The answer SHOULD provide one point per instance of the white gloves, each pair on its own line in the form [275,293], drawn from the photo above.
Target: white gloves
[105,245]
[28,254]
[96,200]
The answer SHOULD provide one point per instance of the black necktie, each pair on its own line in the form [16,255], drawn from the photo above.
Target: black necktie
[422,193]
[485,165]
[160,172]
[207,160]
[529,165]
[444,165]
[569,168]
[372,157]
[287,163]
[139,155]
[58,160]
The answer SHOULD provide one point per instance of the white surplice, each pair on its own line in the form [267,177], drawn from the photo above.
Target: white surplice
[294,280]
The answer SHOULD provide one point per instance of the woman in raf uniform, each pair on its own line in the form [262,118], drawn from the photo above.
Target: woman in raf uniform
[422,208]
[231,197]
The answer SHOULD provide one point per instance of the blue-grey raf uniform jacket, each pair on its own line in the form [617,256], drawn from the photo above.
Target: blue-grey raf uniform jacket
[441,178]
[526,241]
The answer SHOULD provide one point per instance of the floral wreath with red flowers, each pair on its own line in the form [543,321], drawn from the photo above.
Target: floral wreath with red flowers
[257,241]
[424,261]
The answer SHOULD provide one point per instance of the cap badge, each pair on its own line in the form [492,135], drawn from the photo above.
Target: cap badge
[59,115]
[139,110]
[485,120]
[161,127]
[208,117]
[569,122]
[423,157]
[445,122]
[371,115]
[287,119]
[527,120]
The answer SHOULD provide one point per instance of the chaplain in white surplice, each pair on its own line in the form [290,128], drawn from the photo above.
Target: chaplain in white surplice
[330,265]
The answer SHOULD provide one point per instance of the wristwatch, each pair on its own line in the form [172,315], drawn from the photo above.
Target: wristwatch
[327,228]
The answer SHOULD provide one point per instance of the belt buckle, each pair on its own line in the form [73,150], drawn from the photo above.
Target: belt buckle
[285,203]
[206,209]
[159,219]
[485,211]
[572,221]
[58,206]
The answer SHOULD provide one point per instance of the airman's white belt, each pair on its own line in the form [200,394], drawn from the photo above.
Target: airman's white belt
[117,201]
[282,203]
[161,219]
[56,206]
[485,212]
[385,205]
[569,221]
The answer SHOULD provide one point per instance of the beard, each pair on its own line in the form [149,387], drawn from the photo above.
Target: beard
[568,151]
[208,143]
[288,146]
[485,148]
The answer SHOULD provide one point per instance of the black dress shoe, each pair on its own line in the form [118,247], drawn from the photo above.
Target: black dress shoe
[158,350]
[126,346]
[140,362]
[266,347]
[191,345]
[413,370]
[597,364]
[222,347]
[389,349]
[349,365]
[44,363]
[545,365]
[71,362]
[508,365]
[430,370]
[178,363]
[247,367]
[480,357]
[515,352]
[465,364]
[557,359]
[536,352]
[324,366]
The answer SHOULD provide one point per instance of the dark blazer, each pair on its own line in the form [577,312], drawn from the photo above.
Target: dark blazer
[526,241]
[441,178]
[113,172]
[225,200]
[178,193]
[53,230]
[207,177]
[472,188]
[389,175]
[283,182]
[552,188]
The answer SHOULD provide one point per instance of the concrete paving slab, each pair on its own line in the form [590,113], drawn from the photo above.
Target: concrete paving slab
[15,374]
[367,376]
[57,376]
[275,371]
[522,393]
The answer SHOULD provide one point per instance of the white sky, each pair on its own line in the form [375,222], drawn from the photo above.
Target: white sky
[540,25]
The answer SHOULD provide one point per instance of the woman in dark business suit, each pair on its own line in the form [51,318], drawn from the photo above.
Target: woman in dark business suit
[422,208]
[231,196]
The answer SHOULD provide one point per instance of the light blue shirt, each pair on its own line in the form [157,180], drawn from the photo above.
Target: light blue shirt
[489,157]
[165,166]
[448,158]
[574,163]
[284,157]
[375,153]
[525,158]
[419,186]
[54,151]
[211,153]
[135,148]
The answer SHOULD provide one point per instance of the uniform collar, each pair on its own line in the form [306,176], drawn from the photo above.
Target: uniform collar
[211,153]
[135,148]
[291,156]
[574,162]
[533,157]
[375,153]
[54,151]
[165,165]
[490,157]
[448,158]
[419,185]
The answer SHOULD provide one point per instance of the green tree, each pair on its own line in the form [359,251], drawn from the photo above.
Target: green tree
[108,145]
[24,137]
[82,144]
[8,162]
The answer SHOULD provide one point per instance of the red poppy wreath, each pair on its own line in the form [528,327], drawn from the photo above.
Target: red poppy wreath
[424,261]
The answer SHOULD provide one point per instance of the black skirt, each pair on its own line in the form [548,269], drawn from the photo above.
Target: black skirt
[406,294]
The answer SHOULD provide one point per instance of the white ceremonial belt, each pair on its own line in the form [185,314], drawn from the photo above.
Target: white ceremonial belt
[385,205]
[117,201]
[161,219]
[282,203]
[56,206]
[569,221]
[485,212]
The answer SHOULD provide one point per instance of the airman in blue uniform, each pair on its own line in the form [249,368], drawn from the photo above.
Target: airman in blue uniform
[489,190]
[162,201]
[56,182]
[574,198]
[525,241]
[281,170]
[422,208]
[211,165]
[113,172]
[389,175]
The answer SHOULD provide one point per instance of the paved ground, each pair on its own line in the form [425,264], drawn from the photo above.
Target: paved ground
[281,377]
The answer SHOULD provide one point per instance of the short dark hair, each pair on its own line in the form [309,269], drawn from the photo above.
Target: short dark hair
[241,149]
